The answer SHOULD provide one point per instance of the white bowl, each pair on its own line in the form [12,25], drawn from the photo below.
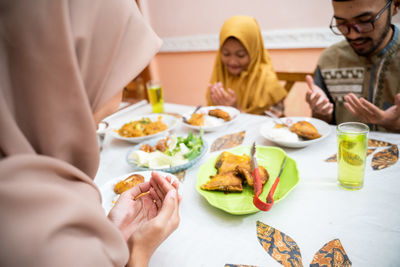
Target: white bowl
[169,120]
[217,123]
[322,127]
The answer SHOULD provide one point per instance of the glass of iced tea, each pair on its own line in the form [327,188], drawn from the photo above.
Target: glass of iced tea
[352,140]
[155,93]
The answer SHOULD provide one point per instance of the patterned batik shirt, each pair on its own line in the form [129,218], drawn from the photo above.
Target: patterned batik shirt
[376,78]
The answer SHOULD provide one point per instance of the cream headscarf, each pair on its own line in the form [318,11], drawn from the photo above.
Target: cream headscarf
[59,62]
[256,88]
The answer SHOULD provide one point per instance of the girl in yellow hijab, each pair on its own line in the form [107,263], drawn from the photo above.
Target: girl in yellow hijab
[243,76]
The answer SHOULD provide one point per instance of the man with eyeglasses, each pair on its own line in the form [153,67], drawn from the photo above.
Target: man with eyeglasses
[358,79]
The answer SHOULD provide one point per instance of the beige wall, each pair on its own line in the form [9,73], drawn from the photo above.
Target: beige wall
[185,75]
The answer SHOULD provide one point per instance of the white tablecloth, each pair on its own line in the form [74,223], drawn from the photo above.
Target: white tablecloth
[367,221]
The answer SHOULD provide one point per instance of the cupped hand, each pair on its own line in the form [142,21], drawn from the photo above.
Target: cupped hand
[221,97]
[130,210]
[319,103]
[149,234]
[146,215]
[369,113]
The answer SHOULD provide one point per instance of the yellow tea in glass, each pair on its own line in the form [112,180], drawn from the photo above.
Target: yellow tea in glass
[352,140]
[156,97]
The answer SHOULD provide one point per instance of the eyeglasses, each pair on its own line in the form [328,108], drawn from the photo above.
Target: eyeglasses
[359,27]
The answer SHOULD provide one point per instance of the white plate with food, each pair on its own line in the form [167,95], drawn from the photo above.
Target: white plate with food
[295,132]
[141,128]
[211,118]
[169,154]
[111,190]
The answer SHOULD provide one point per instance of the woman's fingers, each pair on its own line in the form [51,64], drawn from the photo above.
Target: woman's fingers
[156,199]
[137,190]
[219,93]
[175,183]
[169,214]
[163,183]
[160,184]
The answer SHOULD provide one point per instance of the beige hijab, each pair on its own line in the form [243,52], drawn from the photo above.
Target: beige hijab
[256,88]
[59,62]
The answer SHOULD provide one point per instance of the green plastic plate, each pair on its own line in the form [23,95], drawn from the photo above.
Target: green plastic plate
[242,203]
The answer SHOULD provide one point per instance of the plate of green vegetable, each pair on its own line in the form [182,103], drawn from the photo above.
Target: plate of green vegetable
[169,154]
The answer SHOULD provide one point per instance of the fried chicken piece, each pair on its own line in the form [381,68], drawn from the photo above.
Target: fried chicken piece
[305,130]
[197,119]
[227,162]
[219,113]
[128,183]
[227,182]
[246,175]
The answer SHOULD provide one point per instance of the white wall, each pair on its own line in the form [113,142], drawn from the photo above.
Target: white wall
[171,18]
[187,17]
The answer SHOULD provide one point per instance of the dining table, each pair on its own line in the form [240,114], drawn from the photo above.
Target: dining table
[316,211]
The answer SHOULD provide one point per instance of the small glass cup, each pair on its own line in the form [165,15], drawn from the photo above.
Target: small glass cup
[155,93]
[102,128]
[352,140]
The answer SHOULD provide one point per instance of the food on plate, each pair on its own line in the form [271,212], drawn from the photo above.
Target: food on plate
[219,113]
[280,125]
[233,172]
[293,133]
[209,117]
[168,152]
[228,161]
[305,130]
[227,182]
[142,127]
[282,133]
[162,144]
[197,119]
[128,183]
[147,148]
[244,173]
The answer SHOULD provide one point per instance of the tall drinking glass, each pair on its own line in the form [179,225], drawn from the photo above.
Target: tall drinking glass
[352,140]
[155,93]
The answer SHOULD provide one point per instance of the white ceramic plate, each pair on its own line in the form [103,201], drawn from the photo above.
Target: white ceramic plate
[214,124]
[322,127]
[107,190]
[169,120]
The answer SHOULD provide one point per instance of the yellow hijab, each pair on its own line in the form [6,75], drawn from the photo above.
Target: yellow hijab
[256,88]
